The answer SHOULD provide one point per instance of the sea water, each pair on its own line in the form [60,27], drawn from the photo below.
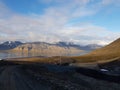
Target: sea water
[4,55]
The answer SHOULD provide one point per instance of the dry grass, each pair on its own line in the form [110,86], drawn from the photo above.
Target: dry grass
[107,53]
[49,60]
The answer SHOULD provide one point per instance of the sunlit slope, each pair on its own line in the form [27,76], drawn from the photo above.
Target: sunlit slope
[43,49]
[109,52]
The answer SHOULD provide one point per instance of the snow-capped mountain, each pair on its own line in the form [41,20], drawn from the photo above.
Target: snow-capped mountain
[13,44]
[9,45]
[82,47]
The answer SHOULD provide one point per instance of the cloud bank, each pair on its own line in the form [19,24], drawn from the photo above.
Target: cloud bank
[56,23]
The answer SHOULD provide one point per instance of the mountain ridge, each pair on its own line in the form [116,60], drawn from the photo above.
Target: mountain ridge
[13,44]
[9,45]
[51,49]
[109,52]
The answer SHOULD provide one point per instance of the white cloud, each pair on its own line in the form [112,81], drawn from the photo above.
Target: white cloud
[51,26]
[114,2]
[87,34]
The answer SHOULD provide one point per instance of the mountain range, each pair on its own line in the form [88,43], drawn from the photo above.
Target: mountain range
[9,45]
[13,44]
[47,49]
[101,66]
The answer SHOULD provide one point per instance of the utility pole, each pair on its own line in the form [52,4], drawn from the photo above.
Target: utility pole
[60,58]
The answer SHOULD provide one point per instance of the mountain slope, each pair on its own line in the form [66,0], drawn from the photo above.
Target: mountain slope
[88,47]
[109,52]
[46,49]
[9,45]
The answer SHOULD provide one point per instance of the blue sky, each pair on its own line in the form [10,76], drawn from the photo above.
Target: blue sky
[79,21]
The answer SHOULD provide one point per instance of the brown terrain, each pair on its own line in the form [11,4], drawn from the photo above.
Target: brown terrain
[98,70]
[108,53]
[37,76]
[44,49]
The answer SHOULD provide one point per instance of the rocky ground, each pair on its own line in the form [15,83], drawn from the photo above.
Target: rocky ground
[36,76]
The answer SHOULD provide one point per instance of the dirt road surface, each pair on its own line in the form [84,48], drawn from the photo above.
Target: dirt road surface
[49,77]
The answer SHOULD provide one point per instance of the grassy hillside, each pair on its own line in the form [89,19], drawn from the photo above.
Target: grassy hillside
[109,52]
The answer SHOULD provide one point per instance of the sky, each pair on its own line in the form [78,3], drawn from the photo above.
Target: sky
[79,21]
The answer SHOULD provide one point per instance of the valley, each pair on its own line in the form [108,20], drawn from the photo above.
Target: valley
[37,72]
[17,49]
[59,45]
